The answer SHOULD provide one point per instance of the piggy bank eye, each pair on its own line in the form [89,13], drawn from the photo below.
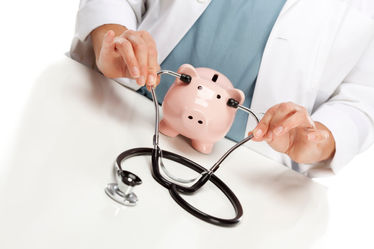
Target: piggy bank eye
[218,96]
[199,87]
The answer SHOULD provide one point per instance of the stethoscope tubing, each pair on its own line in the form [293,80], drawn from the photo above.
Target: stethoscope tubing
[176,190]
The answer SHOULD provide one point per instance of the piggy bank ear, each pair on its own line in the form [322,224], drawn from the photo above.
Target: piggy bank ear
[236,94]
[187,69]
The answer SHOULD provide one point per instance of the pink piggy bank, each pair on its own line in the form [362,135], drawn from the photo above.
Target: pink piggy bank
[198,110]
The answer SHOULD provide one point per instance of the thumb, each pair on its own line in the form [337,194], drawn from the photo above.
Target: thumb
[108,41]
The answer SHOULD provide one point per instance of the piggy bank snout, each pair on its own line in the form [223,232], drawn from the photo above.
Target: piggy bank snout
[194,119]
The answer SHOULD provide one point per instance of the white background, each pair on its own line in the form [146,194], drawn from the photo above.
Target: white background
[32,35]
[35,33]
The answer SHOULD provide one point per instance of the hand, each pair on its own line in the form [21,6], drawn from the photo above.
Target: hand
[130,54]
[288,128]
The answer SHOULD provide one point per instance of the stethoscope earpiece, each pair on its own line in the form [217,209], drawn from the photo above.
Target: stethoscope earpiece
[185,78]
[233,103]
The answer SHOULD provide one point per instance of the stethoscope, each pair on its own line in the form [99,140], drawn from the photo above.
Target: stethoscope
[121,191]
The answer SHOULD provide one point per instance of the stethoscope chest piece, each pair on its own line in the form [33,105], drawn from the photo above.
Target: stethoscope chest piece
[121,191]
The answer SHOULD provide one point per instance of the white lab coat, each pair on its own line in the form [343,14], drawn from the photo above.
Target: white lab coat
[320,54]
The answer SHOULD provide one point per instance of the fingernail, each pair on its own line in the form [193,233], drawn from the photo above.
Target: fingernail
[141,80]
[278,130]
[258,133]
[151,79]
[135,72]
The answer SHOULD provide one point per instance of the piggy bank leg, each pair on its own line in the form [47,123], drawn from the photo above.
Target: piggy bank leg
[202,147]
[167,129]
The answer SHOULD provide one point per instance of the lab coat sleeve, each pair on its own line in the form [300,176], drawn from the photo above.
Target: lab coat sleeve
[349,115]
[94,13]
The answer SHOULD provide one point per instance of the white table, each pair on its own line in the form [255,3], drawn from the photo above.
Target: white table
[74,126]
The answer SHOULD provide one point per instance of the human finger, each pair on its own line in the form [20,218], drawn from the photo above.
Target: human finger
[126,51]
[141,52]
[106,50]
[158,79]
[158,76]
[108,42]
[300,119]
[153,65]
[262,127]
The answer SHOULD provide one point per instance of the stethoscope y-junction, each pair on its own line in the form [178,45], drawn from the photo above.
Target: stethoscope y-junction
[121,191]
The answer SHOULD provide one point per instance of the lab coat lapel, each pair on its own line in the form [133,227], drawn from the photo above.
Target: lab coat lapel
[296,53]
[277,47]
